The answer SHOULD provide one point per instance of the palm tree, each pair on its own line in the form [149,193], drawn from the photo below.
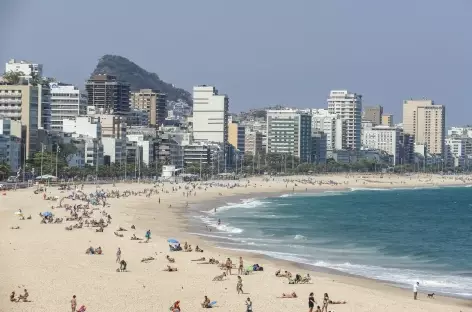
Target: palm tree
[5,171]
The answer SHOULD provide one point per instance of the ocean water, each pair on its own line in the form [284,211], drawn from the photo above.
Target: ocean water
[399,236]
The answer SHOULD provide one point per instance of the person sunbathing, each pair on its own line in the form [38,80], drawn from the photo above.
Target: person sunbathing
[197,249]
[292,295]
[189,249]
[337,302]
[171,260]
[12,297]
[185,246]
[90,251]
[277,273]
[98,251]
[134,237]
[118,234]
[170,269]
[201,259]
[206,303]
[15,227]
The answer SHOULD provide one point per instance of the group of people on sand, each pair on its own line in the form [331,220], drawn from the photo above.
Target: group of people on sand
[22,298]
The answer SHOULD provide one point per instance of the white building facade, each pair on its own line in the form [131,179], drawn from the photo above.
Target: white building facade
[384,138]
[330,124]
[349,107]
[210,115]
[27,68]
[67,102]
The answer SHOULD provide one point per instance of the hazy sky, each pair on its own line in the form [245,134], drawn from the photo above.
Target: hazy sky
[260,52]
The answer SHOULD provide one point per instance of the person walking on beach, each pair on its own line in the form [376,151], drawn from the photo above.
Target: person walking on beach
[118,255]
[73,303]
[415,290]
[248,305]
[239,286]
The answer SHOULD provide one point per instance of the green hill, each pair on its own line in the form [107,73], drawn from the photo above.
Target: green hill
[138,77]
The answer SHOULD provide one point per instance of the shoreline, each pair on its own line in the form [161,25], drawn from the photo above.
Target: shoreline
[214,240]
[51,263]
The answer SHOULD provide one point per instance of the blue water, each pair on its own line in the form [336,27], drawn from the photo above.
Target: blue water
[399,236]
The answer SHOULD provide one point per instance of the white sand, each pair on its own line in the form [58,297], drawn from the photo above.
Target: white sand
[51,262]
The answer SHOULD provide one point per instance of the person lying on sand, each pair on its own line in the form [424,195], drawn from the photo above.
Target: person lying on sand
[15,227]
[206,303]
[171,260]
[197,249]
[220,277]
[337,302]
[120,229]
[170,269]
[118,234]
[147,259]
[201,259]
[292,295]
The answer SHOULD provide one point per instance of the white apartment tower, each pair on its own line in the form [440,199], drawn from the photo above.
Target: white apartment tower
[67,102]
[384,138]
[210,114]
[330,124]
[349,107]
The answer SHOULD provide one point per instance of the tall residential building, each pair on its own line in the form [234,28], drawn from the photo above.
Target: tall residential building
[331,124]
[237,136]
[10,143]
[289,132]
[458,150]
[373,114]
[108,94]
[426,121]
[253,142]
[26,67]
[20,103]
[210,115]
[349,107]
[44,106]
[153,102]
[384,138]
[67,102]
[318,147]
[387,120]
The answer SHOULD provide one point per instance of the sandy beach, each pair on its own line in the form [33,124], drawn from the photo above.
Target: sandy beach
[51,263]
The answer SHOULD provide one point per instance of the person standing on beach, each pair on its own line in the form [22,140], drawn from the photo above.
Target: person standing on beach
[248,305]
[311,302]
[118,255]
[73,303]
[241,266]
[415,290]
[239,286]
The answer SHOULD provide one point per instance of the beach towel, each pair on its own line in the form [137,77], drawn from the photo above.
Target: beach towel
[212,303]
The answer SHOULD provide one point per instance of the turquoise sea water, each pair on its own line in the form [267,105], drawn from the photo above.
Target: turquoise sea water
[399,236]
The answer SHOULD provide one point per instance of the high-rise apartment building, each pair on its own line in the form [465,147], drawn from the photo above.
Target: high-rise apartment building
[67,102]
[373,114]
[387,120]
[210,115]
[10,143]
[332,125]
[349,107]
[426,121]
[108,94]
[289,132]
[20,103]
[153,102]
[252,142]
[237,135]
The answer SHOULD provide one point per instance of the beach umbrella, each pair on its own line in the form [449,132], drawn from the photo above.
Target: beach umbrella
[173,241]
[47,214]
